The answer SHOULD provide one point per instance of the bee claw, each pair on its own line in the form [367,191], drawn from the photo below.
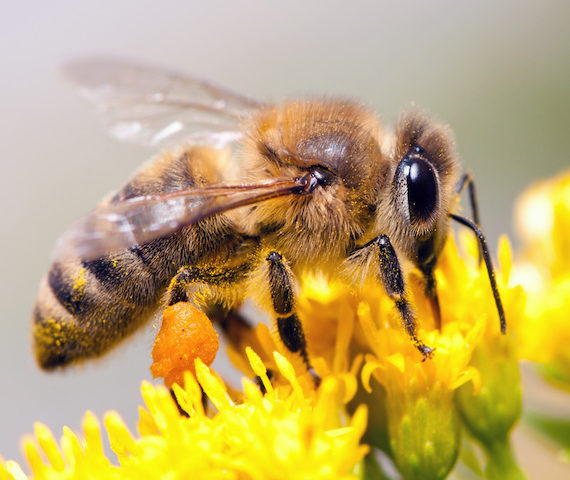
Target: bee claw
[426,351]
[316,377]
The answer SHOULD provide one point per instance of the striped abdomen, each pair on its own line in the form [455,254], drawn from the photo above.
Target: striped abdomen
[84,307]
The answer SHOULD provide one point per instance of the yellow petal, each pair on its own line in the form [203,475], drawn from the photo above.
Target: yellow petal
[15,470]
[288,372]
[215,389]
[33,456]
[398,361]
[93,442]
[366,374]
[259,369]
[48,445]
[120,438]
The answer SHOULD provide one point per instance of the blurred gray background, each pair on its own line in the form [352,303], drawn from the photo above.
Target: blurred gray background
[497,72]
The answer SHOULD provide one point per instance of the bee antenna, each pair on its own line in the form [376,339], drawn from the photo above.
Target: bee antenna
[488,262]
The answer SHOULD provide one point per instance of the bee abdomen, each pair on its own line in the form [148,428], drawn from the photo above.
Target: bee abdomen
[83,308]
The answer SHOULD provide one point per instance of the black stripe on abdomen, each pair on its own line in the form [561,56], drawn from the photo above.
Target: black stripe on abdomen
[106,270]
[136,276]
[69,291]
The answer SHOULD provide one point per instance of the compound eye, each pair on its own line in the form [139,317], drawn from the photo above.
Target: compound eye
[422,186]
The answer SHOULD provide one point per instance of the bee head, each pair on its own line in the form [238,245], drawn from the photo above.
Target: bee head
[422,189]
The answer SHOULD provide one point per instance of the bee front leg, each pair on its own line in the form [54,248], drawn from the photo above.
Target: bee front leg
[282,297]
[390,275]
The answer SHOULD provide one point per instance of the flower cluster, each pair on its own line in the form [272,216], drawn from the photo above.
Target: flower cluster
[376,392]
[281,434]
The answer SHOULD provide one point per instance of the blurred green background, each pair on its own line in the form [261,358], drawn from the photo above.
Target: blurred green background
[497,72]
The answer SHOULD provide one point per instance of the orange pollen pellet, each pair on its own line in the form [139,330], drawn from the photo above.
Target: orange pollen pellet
[186,333]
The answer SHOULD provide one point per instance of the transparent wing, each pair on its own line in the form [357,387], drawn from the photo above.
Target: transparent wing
[157,107]
[118,226]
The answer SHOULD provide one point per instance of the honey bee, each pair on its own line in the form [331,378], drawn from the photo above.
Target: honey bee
[252,195]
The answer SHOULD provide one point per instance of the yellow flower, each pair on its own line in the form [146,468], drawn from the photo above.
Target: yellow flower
[543,218]
[491,413]
[282,434]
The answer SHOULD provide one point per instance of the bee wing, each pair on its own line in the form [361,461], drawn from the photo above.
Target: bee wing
[117,226]
[157,107]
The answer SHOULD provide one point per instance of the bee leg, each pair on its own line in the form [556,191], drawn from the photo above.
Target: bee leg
[235,327]
[489,264]
[183,412]
[232,322]
[282,297]
[178,292]
[393,280]
[467,180]
[214,276]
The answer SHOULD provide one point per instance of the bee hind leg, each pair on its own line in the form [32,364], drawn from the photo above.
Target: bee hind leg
[282,297]
[212,276]
[231,321]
